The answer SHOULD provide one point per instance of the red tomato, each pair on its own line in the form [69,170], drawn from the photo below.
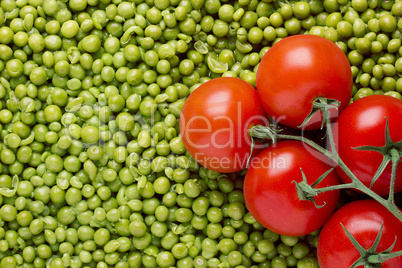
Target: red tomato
[363,123]
[215,120]
[363,220]
[271,195]
[299,69]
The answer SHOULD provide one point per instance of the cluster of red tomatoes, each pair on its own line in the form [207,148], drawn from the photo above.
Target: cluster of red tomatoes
[215,124]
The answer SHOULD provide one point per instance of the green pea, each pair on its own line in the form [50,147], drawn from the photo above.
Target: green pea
[355,58]
[363,45]
[148,107]
[308,262]
[363,92]
[289,240]
[387,23]
[183,215]
[278,261]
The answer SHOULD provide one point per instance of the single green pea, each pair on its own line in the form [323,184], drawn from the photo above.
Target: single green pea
[363,92]
[355,58]
[387,23]
[289,240]
[363,45]
[394,94]
[308,262]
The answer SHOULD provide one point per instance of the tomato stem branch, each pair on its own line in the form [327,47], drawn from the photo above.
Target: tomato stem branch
[258,131]
[335,187]
[395,158]
[358,185]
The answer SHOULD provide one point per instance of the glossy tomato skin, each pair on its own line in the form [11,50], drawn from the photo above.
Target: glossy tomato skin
[363,123]
[215,120]
[271,195]
[363,220]
[299,69]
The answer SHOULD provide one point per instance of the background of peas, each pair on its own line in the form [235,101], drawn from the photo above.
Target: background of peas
[93,171]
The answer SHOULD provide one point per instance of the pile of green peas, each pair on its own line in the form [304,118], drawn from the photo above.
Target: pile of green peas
[93,170]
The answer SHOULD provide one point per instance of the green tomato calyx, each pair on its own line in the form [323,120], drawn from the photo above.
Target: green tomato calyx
[324,105]
[391,151]
[369,257]
[307,192]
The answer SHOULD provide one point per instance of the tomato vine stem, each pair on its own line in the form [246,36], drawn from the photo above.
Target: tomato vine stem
[392,153]
[395,158]
[263,132]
